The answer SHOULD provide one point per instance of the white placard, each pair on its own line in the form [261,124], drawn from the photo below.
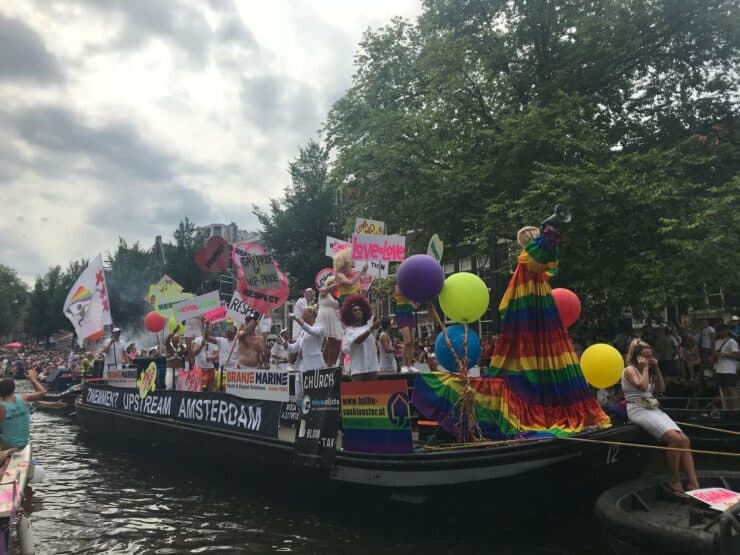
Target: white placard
[253,383]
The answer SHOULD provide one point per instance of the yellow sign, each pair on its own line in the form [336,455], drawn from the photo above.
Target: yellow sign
[147,381]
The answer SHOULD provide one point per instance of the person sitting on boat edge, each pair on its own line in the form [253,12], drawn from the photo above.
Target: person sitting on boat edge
[640,380]
[15,415]
[359,339]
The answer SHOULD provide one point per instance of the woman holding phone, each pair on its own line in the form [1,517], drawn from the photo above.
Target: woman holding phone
[640,381]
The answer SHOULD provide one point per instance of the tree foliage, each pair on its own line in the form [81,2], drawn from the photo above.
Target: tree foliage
[477,118]
[296,225]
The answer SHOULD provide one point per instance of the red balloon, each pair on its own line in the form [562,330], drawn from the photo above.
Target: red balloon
[154,322]
[569,305]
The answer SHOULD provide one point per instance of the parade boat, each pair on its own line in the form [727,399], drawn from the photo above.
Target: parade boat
[17,470]
[320,438]
[642,517]
[703,419]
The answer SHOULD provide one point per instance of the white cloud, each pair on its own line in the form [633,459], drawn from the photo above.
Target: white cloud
[120,117]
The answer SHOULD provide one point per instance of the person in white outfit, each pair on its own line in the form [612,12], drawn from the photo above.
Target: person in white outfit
[279,352]
[308,347]
[114,350]
[329,320]
[387,361]
[300,305]
[359,338]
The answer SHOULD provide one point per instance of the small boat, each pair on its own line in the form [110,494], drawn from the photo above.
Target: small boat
[60,402]
[642,517]
[16,475]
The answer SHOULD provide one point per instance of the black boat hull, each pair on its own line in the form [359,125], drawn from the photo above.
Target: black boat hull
[532,473]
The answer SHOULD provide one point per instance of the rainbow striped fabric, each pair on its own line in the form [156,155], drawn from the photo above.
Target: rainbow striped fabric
[82,294]
[538,386]
[376,417]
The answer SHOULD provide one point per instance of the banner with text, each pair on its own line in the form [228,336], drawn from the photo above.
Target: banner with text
[253,383]
[376,417]
[260,271]
[334,245]
[369,227]
[121,378]
[316,438]
[390,248]
[197,306]
[213,410]
[238,309]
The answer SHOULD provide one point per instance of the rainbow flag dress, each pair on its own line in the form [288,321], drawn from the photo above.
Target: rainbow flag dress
[538,387]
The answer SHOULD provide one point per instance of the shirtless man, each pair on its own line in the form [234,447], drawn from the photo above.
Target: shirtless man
[252,349]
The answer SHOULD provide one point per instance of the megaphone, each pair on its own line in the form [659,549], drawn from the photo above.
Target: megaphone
[561,215]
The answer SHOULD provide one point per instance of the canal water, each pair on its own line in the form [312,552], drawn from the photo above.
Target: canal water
[114,499]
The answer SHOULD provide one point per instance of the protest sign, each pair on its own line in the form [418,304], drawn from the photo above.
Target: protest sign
[334,245]
[435,249]
[376,417]
[240,250]
[254,383]
[121,378]
[163,294]
[322,276]
[316,438]
[197,306]
[376,268]
[390,248]
[366,281]
[189,380]
[214,255]
[369,227]
[216,315]
[265,300]
[238,309]
[260,271]
[193,328]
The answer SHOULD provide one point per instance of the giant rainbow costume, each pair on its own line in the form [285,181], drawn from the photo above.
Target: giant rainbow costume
[538,387]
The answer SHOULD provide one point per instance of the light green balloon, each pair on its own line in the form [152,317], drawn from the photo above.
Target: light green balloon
[464,297]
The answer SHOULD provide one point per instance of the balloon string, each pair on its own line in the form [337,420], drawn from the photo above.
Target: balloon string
[444,333]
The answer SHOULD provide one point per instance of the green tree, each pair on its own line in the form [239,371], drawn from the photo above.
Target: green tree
[13,299]
[296,225]
[181,258]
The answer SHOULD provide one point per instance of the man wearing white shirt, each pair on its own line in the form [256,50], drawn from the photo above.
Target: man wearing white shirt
[308,347]
[114,350]
[728,354]
[300,305]
[224,345]
[279,352]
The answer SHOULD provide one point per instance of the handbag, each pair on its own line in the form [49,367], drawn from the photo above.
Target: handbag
[712,357]
[650,403]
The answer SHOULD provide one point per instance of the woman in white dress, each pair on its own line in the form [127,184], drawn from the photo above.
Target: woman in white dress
[359,339]
[329,320]
[640,380]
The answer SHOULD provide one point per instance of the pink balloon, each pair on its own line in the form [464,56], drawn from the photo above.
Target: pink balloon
[569,305]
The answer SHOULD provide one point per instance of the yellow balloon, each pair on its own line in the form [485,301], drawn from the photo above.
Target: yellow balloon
[464,297]
[602,365]
[172,324]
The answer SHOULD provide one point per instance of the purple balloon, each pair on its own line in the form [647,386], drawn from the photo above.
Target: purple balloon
[420,278]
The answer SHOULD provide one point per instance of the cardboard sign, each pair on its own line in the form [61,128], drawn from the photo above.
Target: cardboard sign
[719,499]
[197,306]
[260,271]
[193,328]
[376,268]
[214,256]
[238,309]
[334,245]
[189,380]
[391,248]
[436,248]
[376,417]
[369,227]
[316,438]
[165,293]
[240,250]
[147,380]
[253,383]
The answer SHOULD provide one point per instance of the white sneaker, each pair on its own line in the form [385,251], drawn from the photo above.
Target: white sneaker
[414,370]
[404,369]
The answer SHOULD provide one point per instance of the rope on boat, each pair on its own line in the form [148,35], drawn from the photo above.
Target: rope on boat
[710,428]
[659,447]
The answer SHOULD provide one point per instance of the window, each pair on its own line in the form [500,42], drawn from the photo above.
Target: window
[217,231]
[449,267]
[466,264]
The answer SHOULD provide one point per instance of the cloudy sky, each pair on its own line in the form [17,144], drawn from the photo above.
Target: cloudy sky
[120,117]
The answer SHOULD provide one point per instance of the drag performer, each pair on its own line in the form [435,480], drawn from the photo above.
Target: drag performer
[359,338]
[348,282]
[328,319]
[538,387]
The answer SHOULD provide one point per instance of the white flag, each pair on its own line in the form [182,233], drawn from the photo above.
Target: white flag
[86,305]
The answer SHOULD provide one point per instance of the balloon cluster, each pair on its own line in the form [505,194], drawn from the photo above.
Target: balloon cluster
[463,297]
